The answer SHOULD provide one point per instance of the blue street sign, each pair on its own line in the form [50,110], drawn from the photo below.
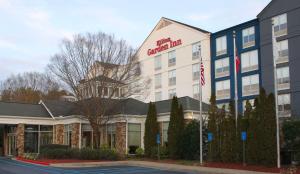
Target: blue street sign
[244,136]
[157,139]
[209,137]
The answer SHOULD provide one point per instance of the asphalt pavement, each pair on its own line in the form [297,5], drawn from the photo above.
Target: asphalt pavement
[8,166]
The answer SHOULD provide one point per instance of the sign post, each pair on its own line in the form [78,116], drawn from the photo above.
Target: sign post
[158,144]
[209,140]
[244,137]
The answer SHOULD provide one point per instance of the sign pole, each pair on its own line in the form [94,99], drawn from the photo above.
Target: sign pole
[158,144]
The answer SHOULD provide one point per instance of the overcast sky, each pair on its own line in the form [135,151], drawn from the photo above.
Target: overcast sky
[31,30]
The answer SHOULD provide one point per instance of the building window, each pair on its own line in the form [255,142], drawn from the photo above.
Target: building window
[222,67]
[31,139]
[284,105]
[223,89]
[196,91]
[248,37]
[36,136]
[250,85]
[196,71]
[105,91]
[134,137]
[280,25]
[221,43]
[283,78]
[172,93]
[157,81]
[117,93]
[172,77]
[165,127]
[283,51]
[46,135]
[249,61]
[111,135]
[244,104]
[158,96]
[172,58]
[157,62]
[196,50]
[226,105]
[67,134]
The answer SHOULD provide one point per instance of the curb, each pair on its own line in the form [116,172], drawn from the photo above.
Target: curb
[156,165]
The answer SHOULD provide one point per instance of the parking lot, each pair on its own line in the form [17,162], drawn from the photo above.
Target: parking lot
[8,166]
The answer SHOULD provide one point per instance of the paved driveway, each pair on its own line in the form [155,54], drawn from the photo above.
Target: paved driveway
[8,166]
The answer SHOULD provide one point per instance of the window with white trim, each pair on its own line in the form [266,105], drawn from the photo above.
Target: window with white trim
[284,105]
[222,67]
[280,25]
[250,85]
[157,62]
[196,50]
[172,58]
[221,45]
[196,71]
[223,89]
[196,91]
[172,77]
[248,37]
[172,93]
[157,81]
[283,78]
[158,96]
[249,61]
[283,51]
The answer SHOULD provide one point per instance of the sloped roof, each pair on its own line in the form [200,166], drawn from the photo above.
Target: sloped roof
[187,103]
[267,7]
[190,26]
[61,108]
[23,110]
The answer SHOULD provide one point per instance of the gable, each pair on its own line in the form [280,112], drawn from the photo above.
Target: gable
[277,7]
[171,34]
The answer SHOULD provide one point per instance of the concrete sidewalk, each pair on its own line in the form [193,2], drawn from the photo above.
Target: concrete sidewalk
[157,165]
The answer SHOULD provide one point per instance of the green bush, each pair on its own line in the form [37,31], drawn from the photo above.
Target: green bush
[84,154]
[139,152]
[163,152]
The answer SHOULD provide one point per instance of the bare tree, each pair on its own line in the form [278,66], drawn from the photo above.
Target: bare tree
[28,87]
[98,68]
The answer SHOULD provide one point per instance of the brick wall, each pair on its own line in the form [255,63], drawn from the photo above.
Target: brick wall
[20,139]
[121,138]
[59,134]
[75,135]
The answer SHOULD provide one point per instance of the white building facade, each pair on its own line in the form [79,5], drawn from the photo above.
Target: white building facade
[170,58]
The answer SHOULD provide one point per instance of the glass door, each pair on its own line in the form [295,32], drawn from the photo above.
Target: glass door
[12,145]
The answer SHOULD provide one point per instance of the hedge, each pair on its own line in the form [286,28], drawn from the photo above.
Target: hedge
[63,152]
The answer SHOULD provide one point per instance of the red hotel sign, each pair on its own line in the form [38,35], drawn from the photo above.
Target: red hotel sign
[164,44]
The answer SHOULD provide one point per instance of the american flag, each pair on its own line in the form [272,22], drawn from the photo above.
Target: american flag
[202,73]
[237,61]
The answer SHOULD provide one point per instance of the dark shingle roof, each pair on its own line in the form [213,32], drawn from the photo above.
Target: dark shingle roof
[23,110]
[187,103]
[61,108]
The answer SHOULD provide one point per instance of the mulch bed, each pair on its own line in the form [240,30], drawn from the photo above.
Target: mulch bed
[228,166]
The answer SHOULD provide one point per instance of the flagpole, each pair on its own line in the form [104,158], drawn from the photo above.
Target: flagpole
[235,80]
[276,96]
[200,105]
